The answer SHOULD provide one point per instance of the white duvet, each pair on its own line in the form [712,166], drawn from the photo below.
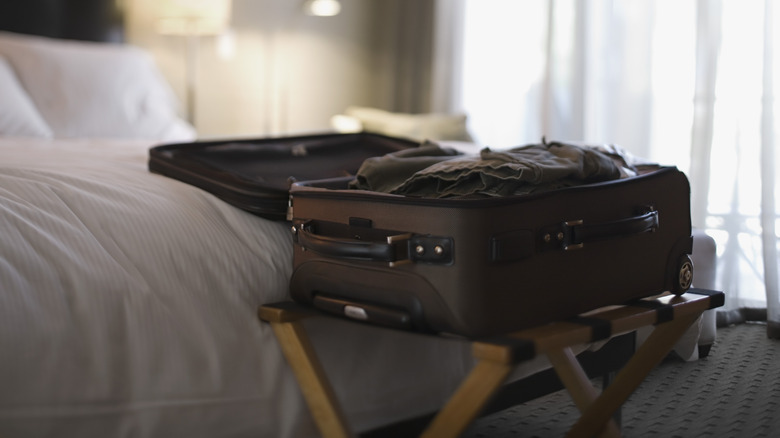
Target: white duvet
[125,295]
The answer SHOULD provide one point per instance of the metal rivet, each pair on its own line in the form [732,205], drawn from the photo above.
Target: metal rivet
[560,235]
[438,250]
[294,230]
[547,237]
[419,249]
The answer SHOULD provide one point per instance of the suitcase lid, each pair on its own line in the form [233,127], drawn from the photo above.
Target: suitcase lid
[255,174]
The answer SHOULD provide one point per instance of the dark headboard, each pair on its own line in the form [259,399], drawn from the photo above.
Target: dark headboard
[87,20]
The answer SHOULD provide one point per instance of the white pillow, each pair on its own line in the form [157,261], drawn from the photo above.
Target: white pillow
[18,116]
[429,126]
[85,89]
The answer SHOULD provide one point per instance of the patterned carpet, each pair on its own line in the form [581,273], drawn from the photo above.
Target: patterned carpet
[734,392]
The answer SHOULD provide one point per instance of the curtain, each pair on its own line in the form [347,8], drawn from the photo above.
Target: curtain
[404,39]
[689,83]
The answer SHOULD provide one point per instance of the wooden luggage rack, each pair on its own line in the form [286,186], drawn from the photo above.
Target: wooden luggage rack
[497,357]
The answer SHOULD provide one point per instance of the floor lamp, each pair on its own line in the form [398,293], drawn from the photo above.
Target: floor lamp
[193,19]
[276,113]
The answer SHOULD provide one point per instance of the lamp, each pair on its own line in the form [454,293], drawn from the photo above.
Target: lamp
[322,8]
[193,19]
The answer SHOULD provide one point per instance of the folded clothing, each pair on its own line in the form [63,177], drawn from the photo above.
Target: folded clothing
[438,172]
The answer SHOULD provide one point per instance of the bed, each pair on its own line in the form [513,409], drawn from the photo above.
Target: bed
[128,300]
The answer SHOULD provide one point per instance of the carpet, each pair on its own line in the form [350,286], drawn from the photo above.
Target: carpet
[733,392]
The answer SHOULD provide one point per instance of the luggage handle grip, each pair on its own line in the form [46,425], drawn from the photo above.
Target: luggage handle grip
[576,233]
[392,247]
[393,251]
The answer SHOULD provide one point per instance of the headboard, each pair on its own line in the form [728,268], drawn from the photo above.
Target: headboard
[86,20]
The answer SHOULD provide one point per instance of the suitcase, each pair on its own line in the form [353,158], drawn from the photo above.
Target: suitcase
[255,174]
[478,267]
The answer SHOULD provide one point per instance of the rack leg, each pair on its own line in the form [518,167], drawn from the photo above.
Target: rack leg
[650,354]
[469,400]
[577,383]
[312,380]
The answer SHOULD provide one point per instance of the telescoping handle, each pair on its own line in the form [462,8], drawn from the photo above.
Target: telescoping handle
[346,242]
[575,234]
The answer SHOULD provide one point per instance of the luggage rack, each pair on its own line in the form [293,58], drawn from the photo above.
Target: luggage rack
[498,356]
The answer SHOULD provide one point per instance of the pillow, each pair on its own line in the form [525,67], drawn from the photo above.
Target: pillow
[346,124]
[18,116]
[85,89]
[429,126]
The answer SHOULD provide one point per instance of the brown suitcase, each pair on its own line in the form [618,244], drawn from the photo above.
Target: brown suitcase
[477,267]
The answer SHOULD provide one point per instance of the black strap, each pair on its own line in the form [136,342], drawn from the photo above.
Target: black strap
[600,328]
[717,298]
[519,349]
[664,312]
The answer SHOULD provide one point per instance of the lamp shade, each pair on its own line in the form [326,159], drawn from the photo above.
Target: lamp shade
[322,8]
[188,17]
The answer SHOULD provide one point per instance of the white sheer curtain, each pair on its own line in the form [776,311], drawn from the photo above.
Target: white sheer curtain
[685,82]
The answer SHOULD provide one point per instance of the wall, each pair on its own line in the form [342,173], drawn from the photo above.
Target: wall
[289,73]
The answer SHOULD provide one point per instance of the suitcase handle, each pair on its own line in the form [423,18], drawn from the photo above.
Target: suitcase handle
[347,249]
[369,244]
[576,233]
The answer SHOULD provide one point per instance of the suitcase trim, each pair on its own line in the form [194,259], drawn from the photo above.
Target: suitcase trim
[335,188]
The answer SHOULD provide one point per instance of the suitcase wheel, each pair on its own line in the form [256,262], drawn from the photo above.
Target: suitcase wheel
[684,275]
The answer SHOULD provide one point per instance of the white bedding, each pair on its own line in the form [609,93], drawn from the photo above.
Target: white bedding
[128,308]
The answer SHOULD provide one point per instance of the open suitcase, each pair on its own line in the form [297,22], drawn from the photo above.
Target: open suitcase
[471,267]
[477,267]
